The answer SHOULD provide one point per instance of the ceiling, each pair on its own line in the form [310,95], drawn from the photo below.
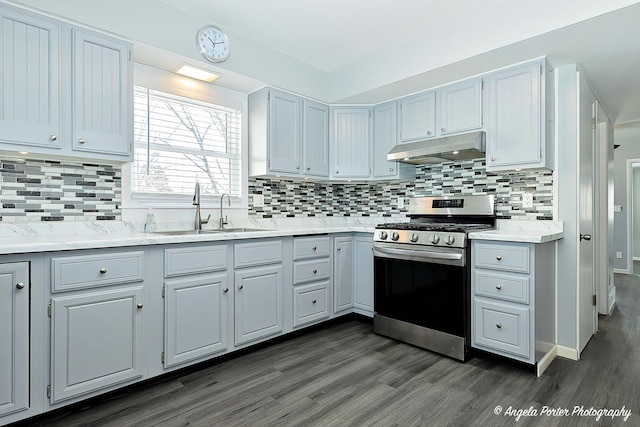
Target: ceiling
[337,35]
[369,51]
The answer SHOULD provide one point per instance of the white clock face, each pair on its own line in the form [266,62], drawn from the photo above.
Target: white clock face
[213,44]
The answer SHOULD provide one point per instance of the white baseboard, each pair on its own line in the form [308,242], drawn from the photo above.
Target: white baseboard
[546,360]
[636,258]
[622,271]
[567,353]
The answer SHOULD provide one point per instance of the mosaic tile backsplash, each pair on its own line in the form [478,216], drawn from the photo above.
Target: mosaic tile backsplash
[289,198]
[44,190]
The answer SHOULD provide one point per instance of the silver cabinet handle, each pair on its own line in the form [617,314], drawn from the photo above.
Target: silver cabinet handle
[390,169]
[298,167]
[586,237]
[81,141]
[225,290]
[493,159]
[315,271]
[308,168]
[315,248]
[20,285]
[240,287]
[53,137]
[498,287]
[337,172]
[103,270]
[428,132]
[499,325]
[339,249]
[498,257]
[313,302]
[442,129]
[139,305]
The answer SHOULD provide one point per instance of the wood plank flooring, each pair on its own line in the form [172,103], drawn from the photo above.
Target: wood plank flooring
[345,375]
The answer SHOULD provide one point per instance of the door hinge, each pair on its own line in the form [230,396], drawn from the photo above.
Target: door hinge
[162,357]
[49,391]
[594,299]
[49,310]
[482,119]
[541,69]
[481,84]
[163,292]
[593,122]
[269,95]
[129,55]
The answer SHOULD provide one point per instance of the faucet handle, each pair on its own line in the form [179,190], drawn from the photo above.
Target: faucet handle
[205,221]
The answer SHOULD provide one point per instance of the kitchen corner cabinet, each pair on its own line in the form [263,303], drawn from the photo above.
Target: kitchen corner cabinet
[513,298]
[196,302]
[14,336]
[258,290]
[351,142]
[288,135]
[520,126]
[363,274]
[81,105]
[96,312]
[343,273]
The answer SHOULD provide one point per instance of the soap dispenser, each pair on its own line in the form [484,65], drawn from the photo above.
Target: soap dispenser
[150,226]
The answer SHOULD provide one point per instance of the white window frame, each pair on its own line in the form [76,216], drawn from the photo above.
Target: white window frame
[171,83]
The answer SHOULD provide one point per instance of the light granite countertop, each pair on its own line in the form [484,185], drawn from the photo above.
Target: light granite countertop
[522,231]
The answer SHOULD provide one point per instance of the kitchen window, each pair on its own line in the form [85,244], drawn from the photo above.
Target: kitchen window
[180,140]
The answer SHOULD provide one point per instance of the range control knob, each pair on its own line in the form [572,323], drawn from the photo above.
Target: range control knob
[434,239]
[414,237]
[395,236]
[449,239]
[383,235]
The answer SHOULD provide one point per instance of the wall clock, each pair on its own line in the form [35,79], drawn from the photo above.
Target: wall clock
[212,44]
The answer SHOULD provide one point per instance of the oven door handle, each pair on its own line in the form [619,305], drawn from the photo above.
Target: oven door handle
[416,255]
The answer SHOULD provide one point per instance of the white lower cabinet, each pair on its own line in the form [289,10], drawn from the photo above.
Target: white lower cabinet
[512,308]
[343,274]
[258,290]
[310,303]
[311,279]
[363,275]
[96,341]
[14,338]
[353,274]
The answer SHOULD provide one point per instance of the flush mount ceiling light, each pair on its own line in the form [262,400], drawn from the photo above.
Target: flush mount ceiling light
[196,73]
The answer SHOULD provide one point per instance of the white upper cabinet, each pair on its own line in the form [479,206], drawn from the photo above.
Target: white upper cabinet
[102,88]
[459,107]
[384,139]
[351,142]
[315,139]
[64,91]
[519,108]
[417,117]
[288,135]
[29,81]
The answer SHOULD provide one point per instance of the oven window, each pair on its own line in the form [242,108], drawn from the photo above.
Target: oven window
[421,293]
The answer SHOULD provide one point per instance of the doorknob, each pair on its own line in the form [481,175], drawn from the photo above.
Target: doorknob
[585,236]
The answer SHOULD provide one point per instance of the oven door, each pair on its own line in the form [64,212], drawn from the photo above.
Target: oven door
[428,287]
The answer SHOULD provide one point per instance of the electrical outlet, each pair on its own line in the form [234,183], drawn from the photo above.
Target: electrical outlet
[258,200]
[619,254]
[527,200]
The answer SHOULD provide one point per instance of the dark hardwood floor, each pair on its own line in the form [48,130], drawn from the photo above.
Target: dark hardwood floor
[345,375]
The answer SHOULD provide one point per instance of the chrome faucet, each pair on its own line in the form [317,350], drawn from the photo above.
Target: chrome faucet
[223,219]
[196,202]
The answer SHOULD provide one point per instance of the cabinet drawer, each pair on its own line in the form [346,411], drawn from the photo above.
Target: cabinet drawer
[88,271]
[512,287]
[307,271]
[503,327]
[310,247]
[257,253]
[310,303]
[501,257]
[192,260]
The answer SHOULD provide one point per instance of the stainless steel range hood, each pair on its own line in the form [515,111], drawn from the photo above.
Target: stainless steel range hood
[458,147]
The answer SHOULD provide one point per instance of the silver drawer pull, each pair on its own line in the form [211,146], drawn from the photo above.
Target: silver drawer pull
[498,287]
[225,290]
[20,285]
[315,271]
[499,325]
[498,257]
[139,305]
[82,141]
[52,137]
[315,248]
[240,286]
[103,270]
[313,302]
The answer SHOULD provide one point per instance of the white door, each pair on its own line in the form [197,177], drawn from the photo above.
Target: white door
[343,274]
[384,139]
[351,133]
[284,132]
[316,139]
[587,320]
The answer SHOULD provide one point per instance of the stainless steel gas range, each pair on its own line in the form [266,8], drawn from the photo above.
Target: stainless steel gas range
[422,272]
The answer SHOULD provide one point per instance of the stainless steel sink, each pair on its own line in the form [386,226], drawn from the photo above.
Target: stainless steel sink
[209,231]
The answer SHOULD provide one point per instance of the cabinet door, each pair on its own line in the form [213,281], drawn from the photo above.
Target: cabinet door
[284,132]
[417,117]
[29,80]
[343,274]
[96,341]
[384,139]
[460,107]
[102,103]
[514,138]
[351,133]
[195,318]
[258,303]
[363,267]
[316,139]
[14,336]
